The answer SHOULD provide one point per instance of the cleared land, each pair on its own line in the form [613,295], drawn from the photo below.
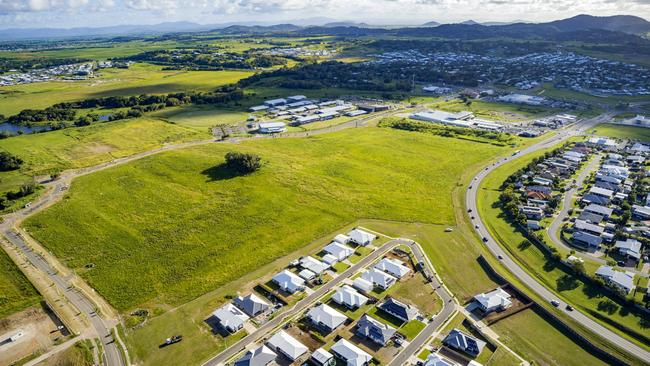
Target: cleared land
[170,227]
[49,152]
[137,79]
[201,117]
[622,132]
[16,292]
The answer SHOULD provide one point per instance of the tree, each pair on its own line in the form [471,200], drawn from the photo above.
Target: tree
[243,163]
[9,161]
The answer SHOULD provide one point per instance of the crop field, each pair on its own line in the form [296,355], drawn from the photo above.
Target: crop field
[530,335]
[48,152]
[622,132]
[170,227]
[138,79]
[586,297]
[16,292]
[201,117]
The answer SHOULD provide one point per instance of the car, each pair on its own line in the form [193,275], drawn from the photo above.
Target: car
[469,210]
[475,226]
[500,256]
[472,217]
[569,307]
[485,239]
[555,303]
[620,263]
[470,187]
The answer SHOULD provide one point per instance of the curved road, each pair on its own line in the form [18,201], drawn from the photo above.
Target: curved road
[494,247]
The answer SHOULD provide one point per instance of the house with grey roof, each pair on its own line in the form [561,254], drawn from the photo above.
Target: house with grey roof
[350,354]
[599,210]
[630,248]
[325,318]
[495,300]
[622,282]
[361,237]
[374,330]
[463,342]
[260,356]
[251,304]
[230,317]
[285,344]
[322,357]
[585,240]
[588,227]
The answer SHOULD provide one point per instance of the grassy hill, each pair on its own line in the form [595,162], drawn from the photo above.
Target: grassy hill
[170,227]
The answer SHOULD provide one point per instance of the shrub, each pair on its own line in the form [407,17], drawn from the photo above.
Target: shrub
[243,163]
[9,161]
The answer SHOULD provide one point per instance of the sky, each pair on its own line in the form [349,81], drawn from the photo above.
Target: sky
[94,13]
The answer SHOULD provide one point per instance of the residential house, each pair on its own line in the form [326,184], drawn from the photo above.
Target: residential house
[361,237]
[588,227]
[533,213]
[495,300]
[340,251]
[285,344]
[641,212]
[289,282]
[321,357]
[401,311]
[599,210]
[313,264]
[362,285]
[590,217]
[465,343]
[325,318]
[251,304]
[378,278]
[394,267]
[350,354]
[330,260]
[260,356]
[541,189]
[230,317]
[349,297]
[434,359]
[630,248]
[620,281]
[341,238]
[586,240]
[307,275]
[375,330]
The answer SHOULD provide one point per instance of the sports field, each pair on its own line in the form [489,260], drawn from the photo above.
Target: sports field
[622,132]
[49,152]
[137,79]
[16,293]
[170,227]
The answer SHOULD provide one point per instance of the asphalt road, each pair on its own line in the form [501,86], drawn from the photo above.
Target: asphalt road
[448,309]
[471,204]
[112,355]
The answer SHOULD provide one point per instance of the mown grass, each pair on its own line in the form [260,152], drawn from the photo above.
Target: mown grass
[528,334]
[49,152]
[16,292]
[583,296]
[622,132]
[503,112]
[201,117]
[138,79]
[170,227]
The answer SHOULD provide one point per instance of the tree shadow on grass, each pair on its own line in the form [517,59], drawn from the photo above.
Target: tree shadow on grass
[567,283]
[220,172]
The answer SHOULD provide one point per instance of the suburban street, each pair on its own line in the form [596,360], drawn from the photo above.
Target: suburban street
[471,199]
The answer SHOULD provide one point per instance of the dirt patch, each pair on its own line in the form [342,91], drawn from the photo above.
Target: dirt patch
[98,148]
[40,332]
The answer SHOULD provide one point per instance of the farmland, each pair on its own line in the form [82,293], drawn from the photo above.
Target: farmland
[190,220]
[622,132]
[16,293]
[49,152]
[137,79]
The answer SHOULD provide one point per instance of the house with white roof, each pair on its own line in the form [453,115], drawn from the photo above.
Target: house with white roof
[252,304]
[350,354]
[330,259]
[342,238]
[313,264]
[434,359]
[289,282]
[394,267]
[285,344]
[340,251]
[230,317]
[361,237]
[325,318]
[378,278]
[349,297]
[495,300]
[362,285]
[620,281]
[307,275]
[321,357]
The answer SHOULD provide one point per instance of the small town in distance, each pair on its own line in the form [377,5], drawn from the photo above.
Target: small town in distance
[235,184]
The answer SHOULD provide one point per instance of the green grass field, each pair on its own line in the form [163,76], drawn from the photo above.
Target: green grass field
[534,338]
[580,295]
[503,112]
[85,146]
[168,228]
[16,292]
[138,79]
[201,117]
[622,132]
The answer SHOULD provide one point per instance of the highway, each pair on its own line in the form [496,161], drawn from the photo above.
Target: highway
[471,200]
[112,355]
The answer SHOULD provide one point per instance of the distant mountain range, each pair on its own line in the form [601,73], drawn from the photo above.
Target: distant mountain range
[581,26]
